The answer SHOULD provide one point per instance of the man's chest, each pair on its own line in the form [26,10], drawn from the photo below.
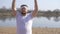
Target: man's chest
[23,18]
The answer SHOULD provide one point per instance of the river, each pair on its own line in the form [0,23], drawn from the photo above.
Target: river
[51,22]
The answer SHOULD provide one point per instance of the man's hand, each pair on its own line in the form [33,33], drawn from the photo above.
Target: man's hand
[14,7]
[35,8]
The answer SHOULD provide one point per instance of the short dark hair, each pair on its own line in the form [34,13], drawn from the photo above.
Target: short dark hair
[24,5]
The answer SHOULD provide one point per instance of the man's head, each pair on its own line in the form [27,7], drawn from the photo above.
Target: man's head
[24,8]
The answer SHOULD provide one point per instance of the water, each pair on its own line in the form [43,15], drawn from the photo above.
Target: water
[37,22]
[44,22]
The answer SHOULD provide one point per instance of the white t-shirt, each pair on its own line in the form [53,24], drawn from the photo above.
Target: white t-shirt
[24,23]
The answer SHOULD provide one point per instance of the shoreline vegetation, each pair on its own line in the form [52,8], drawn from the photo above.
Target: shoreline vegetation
[12,30]
[48,13]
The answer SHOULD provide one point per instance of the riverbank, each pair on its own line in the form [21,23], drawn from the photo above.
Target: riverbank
[12,30]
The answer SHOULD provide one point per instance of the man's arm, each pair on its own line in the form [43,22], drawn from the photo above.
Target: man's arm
[35,9]
[14,7]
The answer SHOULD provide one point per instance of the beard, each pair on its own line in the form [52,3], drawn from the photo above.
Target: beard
[23,13]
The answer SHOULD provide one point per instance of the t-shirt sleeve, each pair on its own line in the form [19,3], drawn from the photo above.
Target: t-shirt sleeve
[30,15]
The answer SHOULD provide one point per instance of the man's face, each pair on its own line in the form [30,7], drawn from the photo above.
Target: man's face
[24,9]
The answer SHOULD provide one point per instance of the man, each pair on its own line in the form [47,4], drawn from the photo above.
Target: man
[24,20]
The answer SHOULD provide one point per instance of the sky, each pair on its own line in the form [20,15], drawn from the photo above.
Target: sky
[42,4]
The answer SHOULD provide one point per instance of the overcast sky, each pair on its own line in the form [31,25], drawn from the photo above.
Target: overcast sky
[42,4]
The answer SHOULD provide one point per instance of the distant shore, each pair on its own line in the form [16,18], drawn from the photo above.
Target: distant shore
[40,13]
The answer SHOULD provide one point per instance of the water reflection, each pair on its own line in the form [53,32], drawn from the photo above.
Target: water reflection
[56,19]
[4,18]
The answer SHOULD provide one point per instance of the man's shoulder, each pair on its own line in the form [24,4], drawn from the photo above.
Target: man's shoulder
[18,13]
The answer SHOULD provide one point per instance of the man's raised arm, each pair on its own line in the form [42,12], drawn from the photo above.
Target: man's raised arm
[14,7]
[35,8]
